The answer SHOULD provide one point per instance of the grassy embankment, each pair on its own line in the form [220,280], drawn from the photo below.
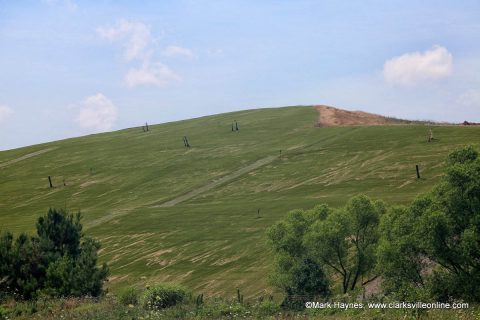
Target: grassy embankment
[213,241]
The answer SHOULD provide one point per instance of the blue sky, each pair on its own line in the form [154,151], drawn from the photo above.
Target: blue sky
[70,67]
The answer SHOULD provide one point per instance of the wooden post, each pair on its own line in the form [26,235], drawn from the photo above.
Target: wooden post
[418,171]
[232,127]
[236,125]
[50,181]
[146,126]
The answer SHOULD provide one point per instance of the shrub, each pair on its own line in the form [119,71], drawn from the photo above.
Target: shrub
[129,296]
[3,313]
[164,296]
[267,308]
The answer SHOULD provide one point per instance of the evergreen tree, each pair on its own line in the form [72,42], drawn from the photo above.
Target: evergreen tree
[59,261]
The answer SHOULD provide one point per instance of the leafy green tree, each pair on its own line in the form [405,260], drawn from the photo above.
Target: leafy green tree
[400,260]
[346,240]
[443,231]
[297,274]
[450,227]
[308,280]
[328,241]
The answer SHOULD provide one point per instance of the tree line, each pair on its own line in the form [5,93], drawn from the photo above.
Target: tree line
[429,249]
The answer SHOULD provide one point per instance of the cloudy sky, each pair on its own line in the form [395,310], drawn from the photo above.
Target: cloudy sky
[70,67]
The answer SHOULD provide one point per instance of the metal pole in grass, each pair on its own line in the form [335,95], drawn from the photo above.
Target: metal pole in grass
[50,181]
[418,171]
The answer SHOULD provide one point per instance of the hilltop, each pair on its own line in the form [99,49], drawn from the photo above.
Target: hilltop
[197,215]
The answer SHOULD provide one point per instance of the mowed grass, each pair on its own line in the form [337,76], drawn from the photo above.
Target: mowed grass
[215,241]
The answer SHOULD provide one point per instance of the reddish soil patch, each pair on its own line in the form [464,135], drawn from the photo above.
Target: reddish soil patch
[330,116]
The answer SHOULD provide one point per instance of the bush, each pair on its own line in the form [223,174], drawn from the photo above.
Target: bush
[129,296]
[164,296]
[267,308]
[3,313]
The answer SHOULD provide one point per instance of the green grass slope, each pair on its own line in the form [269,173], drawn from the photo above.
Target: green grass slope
[164,212]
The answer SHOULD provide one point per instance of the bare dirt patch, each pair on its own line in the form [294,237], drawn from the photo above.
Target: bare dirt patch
[330,116]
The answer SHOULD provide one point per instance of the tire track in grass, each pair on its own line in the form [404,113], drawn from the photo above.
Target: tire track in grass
[231,176]
[209,186]
[29,155]
[221,181]
[187,196]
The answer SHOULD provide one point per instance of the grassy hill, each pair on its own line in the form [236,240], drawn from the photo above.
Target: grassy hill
[164,212]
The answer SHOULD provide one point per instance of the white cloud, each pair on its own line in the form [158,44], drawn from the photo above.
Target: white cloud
[5,112]
[470,98]
[139,48]
[172,51]
[416,67]
[135,37]
[157,75]
[97,113]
